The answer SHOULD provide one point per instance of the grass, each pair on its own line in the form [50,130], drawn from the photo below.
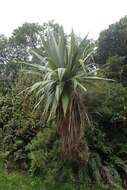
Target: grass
[17,181]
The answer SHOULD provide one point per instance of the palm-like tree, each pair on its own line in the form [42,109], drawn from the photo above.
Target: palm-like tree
[65,77]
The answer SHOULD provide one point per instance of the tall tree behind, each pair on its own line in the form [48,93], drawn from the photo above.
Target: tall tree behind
[112,51]
[113,41]
[18,46]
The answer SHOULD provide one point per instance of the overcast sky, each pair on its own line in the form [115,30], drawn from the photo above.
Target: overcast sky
[82,15]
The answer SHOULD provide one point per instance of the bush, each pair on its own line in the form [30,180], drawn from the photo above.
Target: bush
[101,172]
[18,127]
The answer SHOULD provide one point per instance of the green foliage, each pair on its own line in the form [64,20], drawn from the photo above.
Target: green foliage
[112,41]
[3,49]
[27,35]
[43,149]
[111,52]
[63,70]
[108,104]
[64,66]
[17,181]
[102,170]
[66,76]
[18,127]
[115,68]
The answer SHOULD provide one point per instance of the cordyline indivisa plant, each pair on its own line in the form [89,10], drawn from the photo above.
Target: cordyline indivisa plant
[65,78]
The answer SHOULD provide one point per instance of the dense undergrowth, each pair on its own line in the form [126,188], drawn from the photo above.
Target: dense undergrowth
[30,146]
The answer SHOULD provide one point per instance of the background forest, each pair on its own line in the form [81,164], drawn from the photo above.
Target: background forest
[30,146]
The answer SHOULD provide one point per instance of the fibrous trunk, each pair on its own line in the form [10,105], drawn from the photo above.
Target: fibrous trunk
[71,128]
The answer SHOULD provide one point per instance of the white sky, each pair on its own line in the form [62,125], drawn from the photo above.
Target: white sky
[83,15]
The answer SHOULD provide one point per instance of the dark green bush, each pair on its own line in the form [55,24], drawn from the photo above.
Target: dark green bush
[18,126]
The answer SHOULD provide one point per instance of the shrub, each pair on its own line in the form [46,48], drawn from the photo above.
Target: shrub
[18,127]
